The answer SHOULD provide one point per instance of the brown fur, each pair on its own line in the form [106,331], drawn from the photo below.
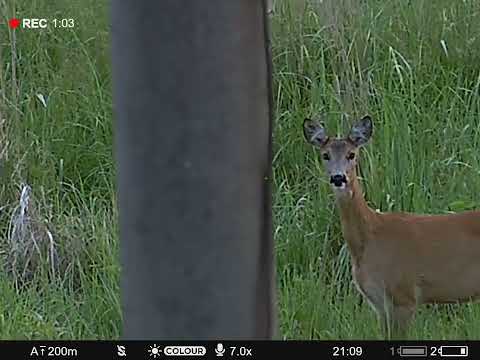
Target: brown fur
[403,260]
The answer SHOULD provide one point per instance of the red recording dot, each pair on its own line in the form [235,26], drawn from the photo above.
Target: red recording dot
[14,23]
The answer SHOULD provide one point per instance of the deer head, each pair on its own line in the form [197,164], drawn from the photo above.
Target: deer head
[339,155]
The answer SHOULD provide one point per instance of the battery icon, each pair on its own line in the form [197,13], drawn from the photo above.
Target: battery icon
[413,351]
[453,351]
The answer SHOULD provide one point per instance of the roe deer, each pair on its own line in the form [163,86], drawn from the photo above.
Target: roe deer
[399,260]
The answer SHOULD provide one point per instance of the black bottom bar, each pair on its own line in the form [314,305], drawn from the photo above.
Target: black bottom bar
[237,349]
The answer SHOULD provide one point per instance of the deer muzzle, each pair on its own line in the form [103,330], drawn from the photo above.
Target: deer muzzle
[338,180]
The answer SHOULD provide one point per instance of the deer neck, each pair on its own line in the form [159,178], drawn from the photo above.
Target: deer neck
[356,218]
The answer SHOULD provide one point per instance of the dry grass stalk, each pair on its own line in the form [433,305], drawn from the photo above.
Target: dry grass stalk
[31,245]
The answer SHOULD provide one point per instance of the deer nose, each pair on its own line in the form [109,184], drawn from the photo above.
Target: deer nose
[338,180]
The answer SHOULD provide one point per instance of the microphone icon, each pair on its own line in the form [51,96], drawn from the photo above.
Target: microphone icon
[219,350]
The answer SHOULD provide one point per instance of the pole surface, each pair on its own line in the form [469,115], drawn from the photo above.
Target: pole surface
[192,107]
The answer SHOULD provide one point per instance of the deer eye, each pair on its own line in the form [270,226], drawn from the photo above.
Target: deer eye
[351,156]
[326,156]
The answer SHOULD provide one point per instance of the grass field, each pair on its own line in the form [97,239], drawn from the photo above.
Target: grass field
[413,65]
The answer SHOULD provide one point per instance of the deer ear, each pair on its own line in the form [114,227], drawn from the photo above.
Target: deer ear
[314,132]
[361,131]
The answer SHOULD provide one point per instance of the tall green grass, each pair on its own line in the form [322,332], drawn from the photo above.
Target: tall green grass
[57,138]
[412,65]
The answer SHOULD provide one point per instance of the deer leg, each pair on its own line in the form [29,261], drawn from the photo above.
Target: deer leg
[375,296]
[394,319]
[399,320]
[383,311]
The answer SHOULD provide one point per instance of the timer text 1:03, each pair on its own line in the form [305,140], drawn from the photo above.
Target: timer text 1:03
[63,23]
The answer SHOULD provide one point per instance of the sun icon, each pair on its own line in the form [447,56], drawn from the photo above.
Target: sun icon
[154,351]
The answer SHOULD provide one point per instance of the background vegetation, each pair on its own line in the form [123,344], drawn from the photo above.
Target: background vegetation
[413,65]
